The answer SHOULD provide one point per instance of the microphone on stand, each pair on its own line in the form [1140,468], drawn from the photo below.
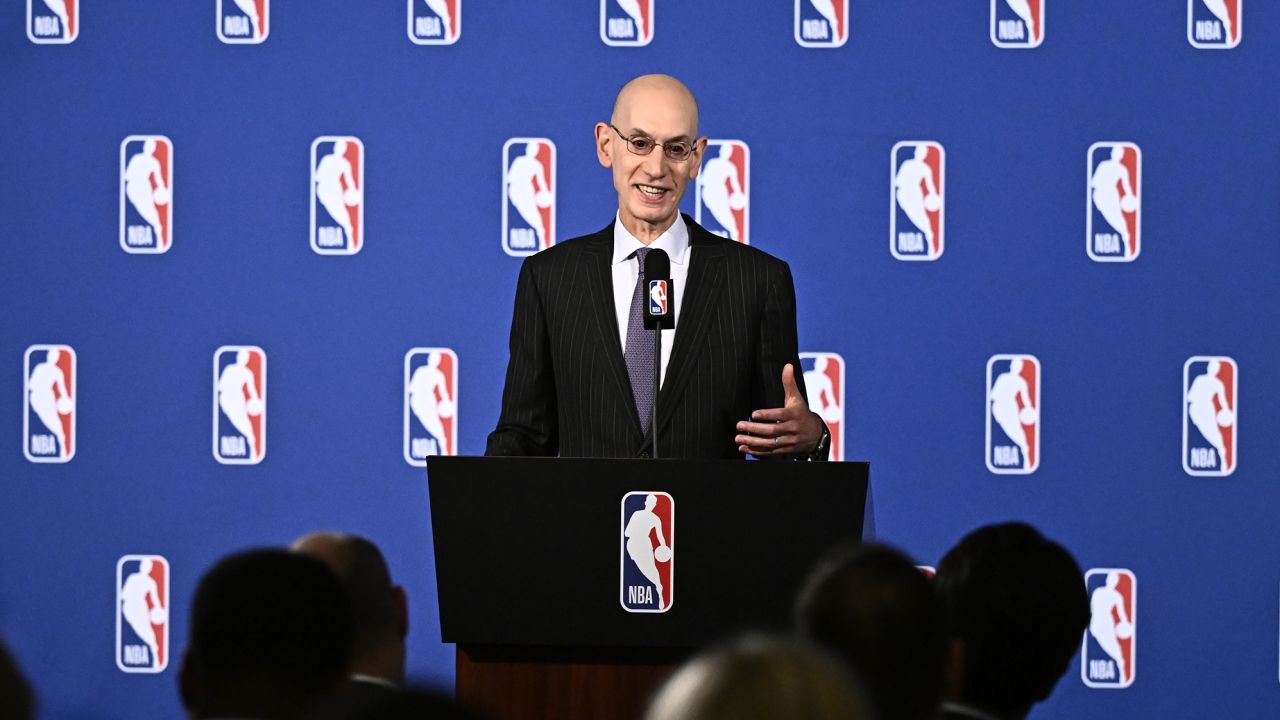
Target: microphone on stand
[659,314]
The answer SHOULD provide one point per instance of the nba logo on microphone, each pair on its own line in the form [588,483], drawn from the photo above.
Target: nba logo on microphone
[1210,415]
[239,405]
[917,171]
[243,22]
[1114,230]
[1017,23]
[1107,657]
[658,298]
[435,22]
[53,22]
[146,194]
[822,23]
[722,193]
[1214,24]
[648,552]
[528,195]
[824,385]
[142,613]
[626,23]
[1013,414]
[430,404]
[49,404]
[337,195]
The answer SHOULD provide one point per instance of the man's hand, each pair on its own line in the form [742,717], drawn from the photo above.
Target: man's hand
[789,430]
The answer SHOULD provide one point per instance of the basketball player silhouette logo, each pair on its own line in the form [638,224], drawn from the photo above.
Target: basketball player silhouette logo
[337,188]
[722,191]
[146,194]
[243,22]
[1017,24]
[435,22]
[626,23]
[142,614]
[824,384]
[1013,414]
[1210,415]
[822,23]
[1215,24]
[648,555]
[1114,232]
[49,415]
[430,404]
[1107,659]
[53,22]
[916,207]
[239,405]
[528,195]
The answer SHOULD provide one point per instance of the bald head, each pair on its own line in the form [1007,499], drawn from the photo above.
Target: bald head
[650,91]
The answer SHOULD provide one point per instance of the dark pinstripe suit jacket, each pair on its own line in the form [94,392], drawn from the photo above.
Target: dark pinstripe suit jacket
[567,390]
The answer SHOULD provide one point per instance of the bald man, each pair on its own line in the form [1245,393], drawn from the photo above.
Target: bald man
[580,377]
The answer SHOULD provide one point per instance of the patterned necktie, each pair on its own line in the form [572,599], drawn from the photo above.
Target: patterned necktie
[639,352]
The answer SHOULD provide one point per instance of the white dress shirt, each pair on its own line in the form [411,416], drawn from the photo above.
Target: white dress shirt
[675,241]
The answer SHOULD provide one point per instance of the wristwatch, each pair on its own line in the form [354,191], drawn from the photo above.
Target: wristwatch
[823,450]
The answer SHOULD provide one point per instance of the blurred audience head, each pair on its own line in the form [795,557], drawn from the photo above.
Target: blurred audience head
[16,700]
[872,607]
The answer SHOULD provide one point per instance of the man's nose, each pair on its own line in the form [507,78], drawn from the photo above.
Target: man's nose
[655,163]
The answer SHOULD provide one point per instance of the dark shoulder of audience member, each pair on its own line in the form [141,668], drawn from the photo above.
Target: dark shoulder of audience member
[1016,606]
[16,699]
[871,606]
[411,704]
[270,638]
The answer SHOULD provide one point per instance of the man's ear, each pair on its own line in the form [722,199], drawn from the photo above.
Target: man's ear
[695,160]
[402,610]
[604,144]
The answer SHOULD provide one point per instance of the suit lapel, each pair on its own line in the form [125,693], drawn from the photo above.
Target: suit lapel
[600,280]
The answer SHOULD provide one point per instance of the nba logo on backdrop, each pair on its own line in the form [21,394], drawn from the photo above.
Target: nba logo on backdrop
[528,195]
[142,613]
[648,551]
[435,22]
[430,404]
[1209,415]
[1214,24]
[1107,657]
[239,405]
[243,22]
[917,170]
[626,23]
[337,195]
[1017,23]
[49,404]
[822,23]
[722,193]
[53,22]
[146,194]
[824,384]
[1114,232]
[1013,414]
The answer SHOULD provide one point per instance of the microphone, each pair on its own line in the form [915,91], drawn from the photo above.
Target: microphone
[660,306]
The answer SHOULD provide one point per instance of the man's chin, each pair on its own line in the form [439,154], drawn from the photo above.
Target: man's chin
[655,216]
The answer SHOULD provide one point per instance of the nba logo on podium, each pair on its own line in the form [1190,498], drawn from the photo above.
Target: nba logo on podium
[658,298]
[146,194]
[1017,23]
[648,552]
[822,23]
[1013,414]
[337,184]
[1114,232]
[824,385]
[1107,656]
[243,22]
[435,22]
[917,170]
[528,195]
[53,22]
[722,193]
[142,614]
[1214,24]
[49,398]
[626,23]
[1210,415]
[430,404]
[239,405]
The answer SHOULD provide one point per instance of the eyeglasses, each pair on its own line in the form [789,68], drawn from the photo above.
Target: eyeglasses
[675,150]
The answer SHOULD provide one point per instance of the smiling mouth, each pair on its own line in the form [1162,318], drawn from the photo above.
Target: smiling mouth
[651,192]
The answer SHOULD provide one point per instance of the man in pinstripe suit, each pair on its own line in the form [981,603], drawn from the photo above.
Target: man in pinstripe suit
[576,384]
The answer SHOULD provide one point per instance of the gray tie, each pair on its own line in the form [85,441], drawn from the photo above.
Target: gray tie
[639,352]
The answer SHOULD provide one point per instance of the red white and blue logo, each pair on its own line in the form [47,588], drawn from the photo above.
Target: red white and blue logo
[53,22]
[1013,414]
[528,195]
[722,193]
[1114,231]
[1215,24]
[626,23]
[1017,24]
[146,194]
[1210,415]
[244,22]
[648,552]
[435,22]
[917,172]
[239,405]
[658,298]
[824,385]
[822,23]
[337,195]
[430,404]
[142,614]
[49,404]
[1107,659]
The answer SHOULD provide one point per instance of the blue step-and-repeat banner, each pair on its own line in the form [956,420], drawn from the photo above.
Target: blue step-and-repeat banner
[259,260]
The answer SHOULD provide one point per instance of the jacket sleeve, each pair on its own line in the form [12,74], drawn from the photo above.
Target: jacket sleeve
[778,342]
[527,425]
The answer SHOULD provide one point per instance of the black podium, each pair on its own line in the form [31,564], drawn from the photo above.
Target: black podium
[529,566]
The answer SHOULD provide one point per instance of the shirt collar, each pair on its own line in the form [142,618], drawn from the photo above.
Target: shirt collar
[675,241]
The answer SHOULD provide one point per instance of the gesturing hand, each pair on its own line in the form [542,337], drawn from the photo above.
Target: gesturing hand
[790,429]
